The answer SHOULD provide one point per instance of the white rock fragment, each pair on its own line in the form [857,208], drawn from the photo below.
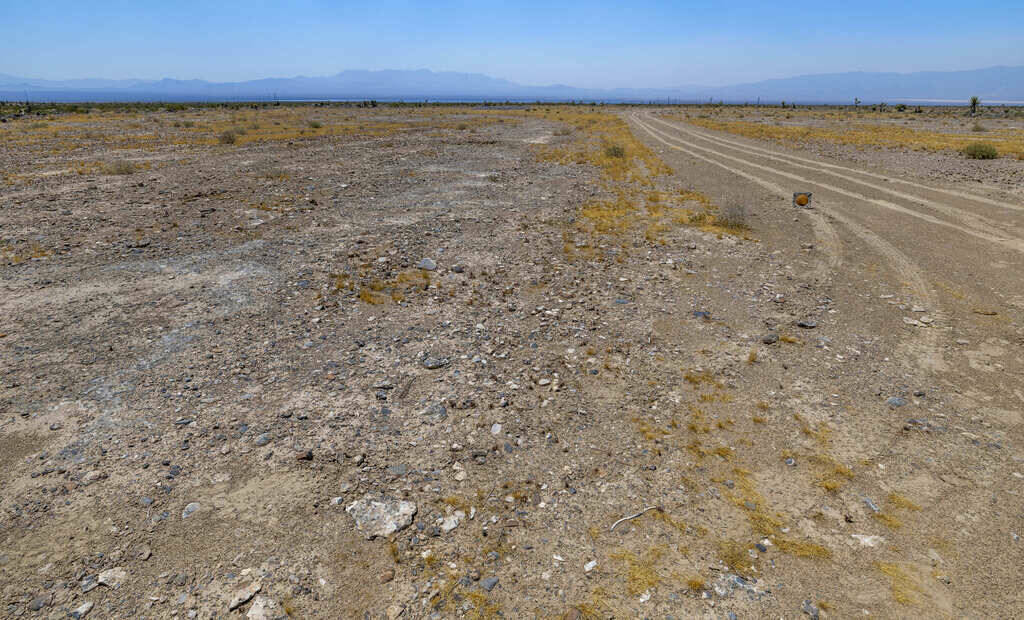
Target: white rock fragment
[264,608]
[243,595]
[112,577]
[381,517]
[589,566]
[867,541]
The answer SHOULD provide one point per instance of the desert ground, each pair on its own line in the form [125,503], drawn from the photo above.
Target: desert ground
[400,361]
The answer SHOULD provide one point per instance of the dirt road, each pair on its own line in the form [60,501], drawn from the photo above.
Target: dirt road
[952,256]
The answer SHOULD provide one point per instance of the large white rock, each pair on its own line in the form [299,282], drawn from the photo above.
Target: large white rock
[381,516]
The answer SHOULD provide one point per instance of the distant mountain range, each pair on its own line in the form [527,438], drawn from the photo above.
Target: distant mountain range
[993,85]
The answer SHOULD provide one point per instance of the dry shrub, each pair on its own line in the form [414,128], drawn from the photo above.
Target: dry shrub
[120,166]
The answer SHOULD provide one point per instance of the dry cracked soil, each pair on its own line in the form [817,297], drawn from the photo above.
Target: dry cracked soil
[398,362]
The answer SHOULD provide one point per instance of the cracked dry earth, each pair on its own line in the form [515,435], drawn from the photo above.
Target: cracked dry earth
[397,375]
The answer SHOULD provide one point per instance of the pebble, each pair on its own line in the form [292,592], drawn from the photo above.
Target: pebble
[810,609]
[189,510]
[264,608]
[589,566]
[495,428]
[39,602]
[263,439]
[81,611]
[433,363]
[896,401]
[427,264]
[113,577]
[807,324]
[488,583]
[770,338]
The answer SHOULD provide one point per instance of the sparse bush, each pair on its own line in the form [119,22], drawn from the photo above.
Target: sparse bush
[188,124]
[733,216]
[315,124]
[228,137]
[614,150]
[120,166]
[980,150]
[978,127]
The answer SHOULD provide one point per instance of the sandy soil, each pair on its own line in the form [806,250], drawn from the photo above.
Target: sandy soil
[212,365]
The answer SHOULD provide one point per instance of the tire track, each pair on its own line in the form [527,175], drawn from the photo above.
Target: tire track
[938,190]
[972,220]
[927,350]
[1012,243]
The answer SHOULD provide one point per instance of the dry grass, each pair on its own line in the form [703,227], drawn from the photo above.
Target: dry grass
[842,129]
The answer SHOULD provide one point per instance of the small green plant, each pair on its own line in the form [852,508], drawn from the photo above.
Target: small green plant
[315,124]
[975,102]
[228,137]
[978,127]
[980,150]
[614,150]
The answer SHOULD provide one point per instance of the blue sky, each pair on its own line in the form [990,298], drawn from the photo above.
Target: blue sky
[588,44]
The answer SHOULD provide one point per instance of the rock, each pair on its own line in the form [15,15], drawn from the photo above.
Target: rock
[304,455]
[807,323]
[394,611]
[264,608]
[896,401]
[872,505]
[495,428]
[433,363]
[144,553]
[488,583]
[263,439]
[398,470]
[381,517]
[387,576]
[770,338]
[81,611]
[452,521]
[810,609]
[867,541]
[243,595]
[436,412]
[589,566]
[93,476]
[427,264]
[190,510]
[113,577]
[39,602]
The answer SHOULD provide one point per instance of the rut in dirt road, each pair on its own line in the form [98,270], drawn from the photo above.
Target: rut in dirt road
[927,349]
[975,226]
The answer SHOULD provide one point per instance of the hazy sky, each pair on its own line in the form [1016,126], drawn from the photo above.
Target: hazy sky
[590,44]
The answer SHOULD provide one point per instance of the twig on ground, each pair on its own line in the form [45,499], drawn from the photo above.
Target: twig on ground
[631,517]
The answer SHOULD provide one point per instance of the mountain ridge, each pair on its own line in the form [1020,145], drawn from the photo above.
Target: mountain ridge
[992,84]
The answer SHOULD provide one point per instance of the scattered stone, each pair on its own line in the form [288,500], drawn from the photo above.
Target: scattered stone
[433,363]
[387,576]
[190,510]
[589,566]
[452,521]
[264,608]
[872,505]
[770,338]
[81,611]
[495,429]
[112,578]
[243,595]
[896,401]
[93,476]
[304,455]
[488,583]
[427,264]
[807,324]
[263,439]
[39,602]
[810,609]
[381,517]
